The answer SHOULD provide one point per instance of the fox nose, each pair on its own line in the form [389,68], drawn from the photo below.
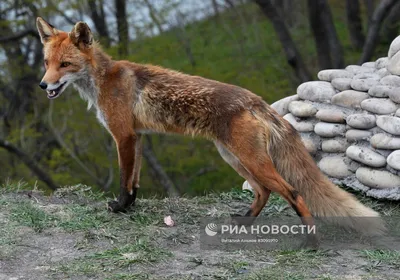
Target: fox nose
[43,85]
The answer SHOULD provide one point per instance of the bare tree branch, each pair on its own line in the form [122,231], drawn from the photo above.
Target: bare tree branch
[334,42]
[392,24]
[153,15]
[30,163]
[122,27]
[320,34]
[372,39]
[292,54]
[157,169]
[354,23]
[69,151]
[18,36]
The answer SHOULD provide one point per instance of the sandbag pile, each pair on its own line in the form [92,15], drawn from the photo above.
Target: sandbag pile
[349,121]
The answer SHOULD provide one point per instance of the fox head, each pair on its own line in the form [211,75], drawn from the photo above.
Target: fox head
[66,55]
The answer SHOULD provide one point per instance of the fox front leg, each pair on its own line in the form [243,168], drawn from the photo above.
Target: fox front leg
[127,155]
[138,162]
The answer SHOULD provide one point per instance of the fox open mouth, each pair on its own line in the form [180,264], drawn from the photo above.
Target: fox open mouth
[51,94]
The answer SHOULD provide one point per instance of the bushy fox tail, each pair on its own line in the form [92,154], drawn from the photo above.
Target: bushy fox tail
[323,198]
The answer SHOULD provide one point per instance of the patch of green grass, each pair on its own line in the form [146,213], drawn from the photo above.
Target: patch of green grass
[76,217]
[27,214]
[79,191]
[8,238]
[141,251]
[12,186]
[278,273]
[377,257]
[291,265]
[129,276]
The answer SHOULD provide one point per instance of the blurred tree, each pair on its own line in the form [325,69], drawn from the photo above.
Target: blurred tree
[95,8]
[354,23]
[122,27]
[391,27]
[329,48]
[292,54]
[380,13]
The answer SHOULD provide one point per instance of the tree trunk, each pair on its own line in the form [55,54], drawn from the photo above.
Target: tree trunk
[153,15]
[157,169]
[122,27]
[392,24]
[334,42]
[215,8]
[381,12]
[96,11]
[354,23]
[30,163]
[183,38]
[320,34]
[292,54]
[370,8]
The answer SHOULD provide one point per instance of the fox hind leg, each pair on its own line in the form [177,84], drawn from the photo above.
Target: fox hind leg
[261,194]
[248,145]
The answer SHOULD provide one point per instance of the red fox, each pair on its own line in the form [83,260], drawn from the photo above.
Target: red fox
[131,98]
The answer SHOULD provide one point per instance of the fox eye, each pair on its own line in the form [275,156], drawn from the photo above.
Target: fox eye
[65,64]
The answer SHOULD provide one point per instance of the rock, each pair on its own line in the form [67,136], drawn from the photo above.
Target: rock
[302,109]
[390,80]
[330,74]
[389,124]
[363,76]
[349,98]
[331,115]
[282,106]
[303,126]
[366,156]
[246,186]
[394,95]
[383,141]
[362,121]
[354,135]
[383,72]
[316,91]
[357,69]
[335,166]
[363,84]
[393,160]
[329,129]
[377,178]
[379,106]
[334,145]
[341,83]
[368,64]
[379,91]
[398,113]
[381,62]
[394,47]
[394,64]
[310,145]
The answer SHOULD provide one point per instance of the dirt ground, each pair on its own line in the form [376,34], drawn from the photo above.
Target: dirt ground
[70,235]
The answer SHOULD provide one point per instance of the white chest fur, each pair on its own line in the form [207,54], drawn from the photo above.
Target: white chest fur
[100,116]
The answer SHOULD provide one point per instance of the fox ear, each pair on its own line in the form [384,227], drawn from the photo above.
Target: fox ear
[46,30]
[81,35]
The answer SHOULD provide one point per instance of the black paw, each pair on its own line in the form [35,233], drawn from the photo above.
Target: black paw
[311,243]
[237,219]
[124,201]
[115,206]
